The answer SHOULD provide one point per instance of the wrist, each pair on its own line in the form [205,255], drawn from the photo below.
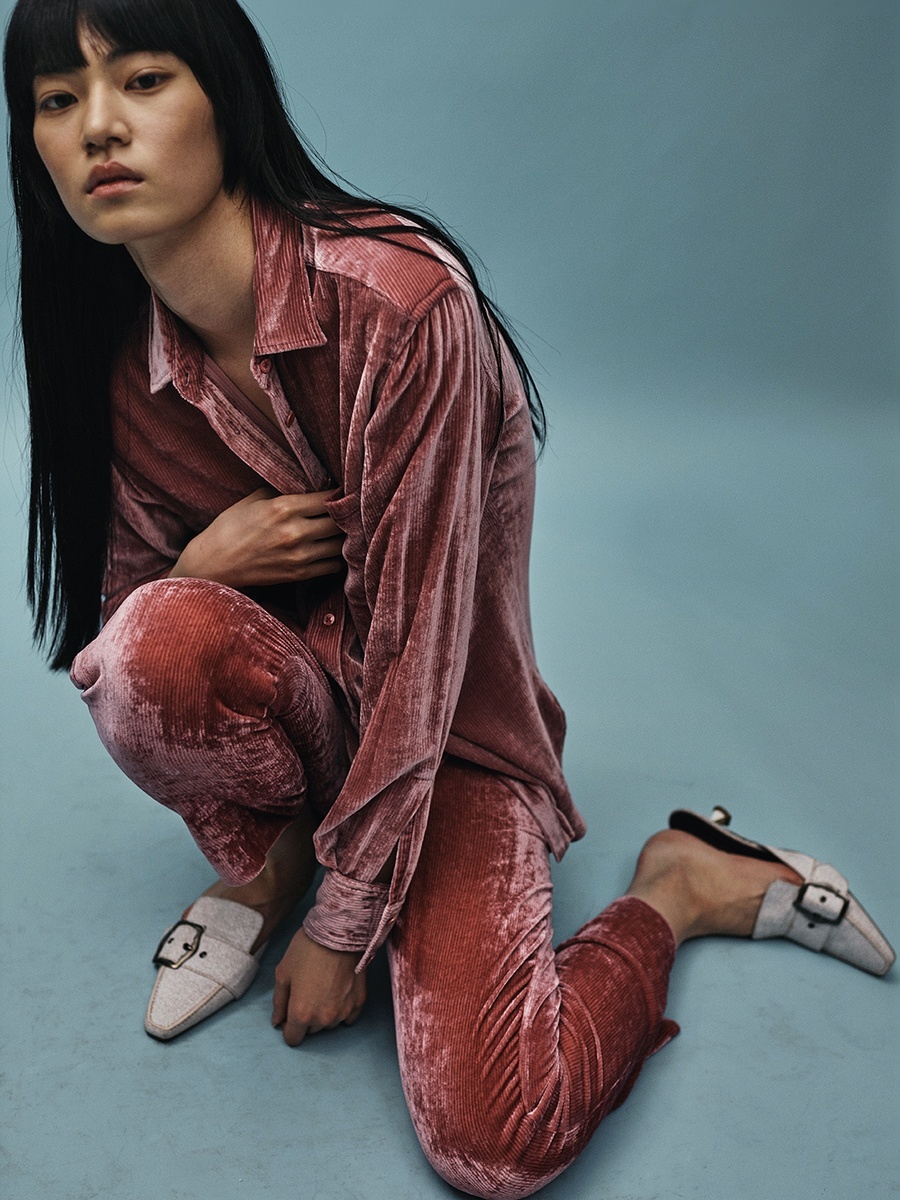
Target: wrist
[190,565]
[350,957]
[182,567]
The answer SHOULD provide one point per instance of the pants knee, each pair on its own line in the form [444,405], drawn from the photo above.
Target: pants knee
[169,660]
[164,630]
[480,1158]
[191,682]
[490,1178]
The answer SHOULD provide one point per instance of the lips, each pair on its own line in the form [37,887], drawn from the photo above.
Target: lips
[108,173]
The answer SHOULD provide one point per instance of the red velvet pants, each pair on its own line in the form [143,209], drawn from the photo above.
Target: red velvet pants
[511,1053]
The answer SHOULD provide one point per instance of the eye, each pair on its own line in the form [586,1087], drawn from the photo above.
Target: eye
[56,103]
[147,81]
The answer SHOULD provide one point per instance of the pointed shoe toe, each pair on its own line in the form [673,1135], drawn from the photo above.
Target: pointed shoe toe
[204,963]
[821,913]
[824,917]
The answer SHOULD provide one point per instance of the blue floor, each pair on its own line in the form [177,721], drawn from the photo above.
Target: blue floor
[715,604]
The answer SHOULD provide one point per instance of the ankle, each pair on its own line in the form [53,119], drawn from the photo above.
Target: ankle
[662,880]
[290,863]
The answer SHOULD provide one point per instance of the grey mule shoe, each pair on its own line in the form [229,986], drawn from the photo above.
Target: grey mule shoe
[204,963]
[821,914]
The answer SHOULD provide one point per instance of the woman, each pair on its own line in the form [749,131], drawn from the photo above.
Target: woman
[282,483]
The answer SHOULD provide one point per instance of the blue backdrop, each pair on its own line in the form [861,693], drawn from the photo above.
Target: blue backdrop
[690,209]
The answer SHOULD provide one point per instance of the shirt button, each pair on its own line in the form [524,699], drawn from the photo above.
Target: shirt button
[329,619]
[265,365]
[289,419]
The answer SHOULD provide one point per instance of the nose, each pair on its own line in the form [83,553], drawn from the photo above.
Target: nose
[103,119]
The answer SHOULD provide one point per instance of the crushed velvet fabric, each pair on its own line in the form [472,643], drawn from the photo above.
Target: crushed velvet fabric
[400,702]
[218,711]
[510,1053]
[385,386]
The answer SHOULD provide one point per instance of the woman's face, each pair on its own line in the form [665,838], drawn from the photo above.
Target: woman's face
[144,112]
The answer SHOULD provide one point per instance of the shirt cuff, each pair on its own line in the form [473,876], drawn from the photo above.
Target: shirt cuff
[347,914]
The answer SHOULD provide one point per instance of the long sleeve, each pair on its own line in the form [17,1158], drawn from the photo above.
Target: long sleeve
[412,551]
[145,540]
[382,375]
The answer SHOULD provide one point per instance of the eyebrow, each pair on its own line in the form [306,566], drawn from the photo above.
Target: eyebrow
[113,56]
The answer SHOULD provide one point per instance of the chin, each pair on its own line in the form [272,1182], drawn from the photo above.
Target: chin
[113,232]
[107,237]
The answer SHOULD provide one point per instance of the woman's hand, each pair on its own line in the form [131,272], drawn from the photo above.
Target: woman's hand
[316,988]
[265,538]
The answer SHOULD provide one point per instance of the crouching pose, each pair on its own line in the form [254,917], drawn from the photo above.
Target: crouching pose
[282,487]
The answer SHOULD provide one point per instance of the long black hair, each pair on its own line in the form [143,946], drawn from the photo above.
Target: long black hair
[79,297]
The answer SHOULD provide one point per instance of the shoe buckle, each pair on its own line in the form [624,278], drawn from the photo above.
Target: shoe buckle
[176,958]
[824,903]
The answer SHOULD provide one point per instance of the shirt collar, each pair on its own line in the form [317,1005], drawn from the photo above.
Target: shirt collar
[285,317]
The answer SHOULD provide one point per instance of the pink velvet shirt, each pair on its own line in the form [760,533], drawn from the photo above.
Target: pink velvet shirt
[385,386]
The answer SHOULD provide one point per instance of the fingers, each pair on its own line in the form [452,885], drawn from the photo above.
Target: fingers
[294,1032]
[315,530]
[314,527]
[267,538]
[325,566]
[315,988]
[306,558]
[295,1029]
[303,504]
[280,1003]
[298,547]
[311,502]
[321,529]
[296,1026]
[328,546]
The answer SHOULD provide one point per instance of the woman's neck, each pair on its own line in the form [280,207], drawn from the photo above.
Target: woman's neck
[203,272]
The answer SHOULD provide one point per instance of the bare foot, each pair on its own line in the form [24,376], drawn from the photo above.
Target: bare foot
[282,883]
[700,890]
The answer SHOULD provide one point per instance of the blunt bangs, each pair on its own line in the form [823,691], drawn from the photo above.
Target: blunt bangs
[43,34]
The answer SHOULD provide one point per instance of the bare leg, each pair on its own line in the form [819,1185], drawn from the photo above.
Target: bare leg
[700,890]
[283,881]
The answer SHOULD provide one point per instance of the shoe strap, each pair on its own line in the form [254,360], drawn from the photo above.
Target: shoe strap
[232,922]
[219,934]
[807,914]
[220,962]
